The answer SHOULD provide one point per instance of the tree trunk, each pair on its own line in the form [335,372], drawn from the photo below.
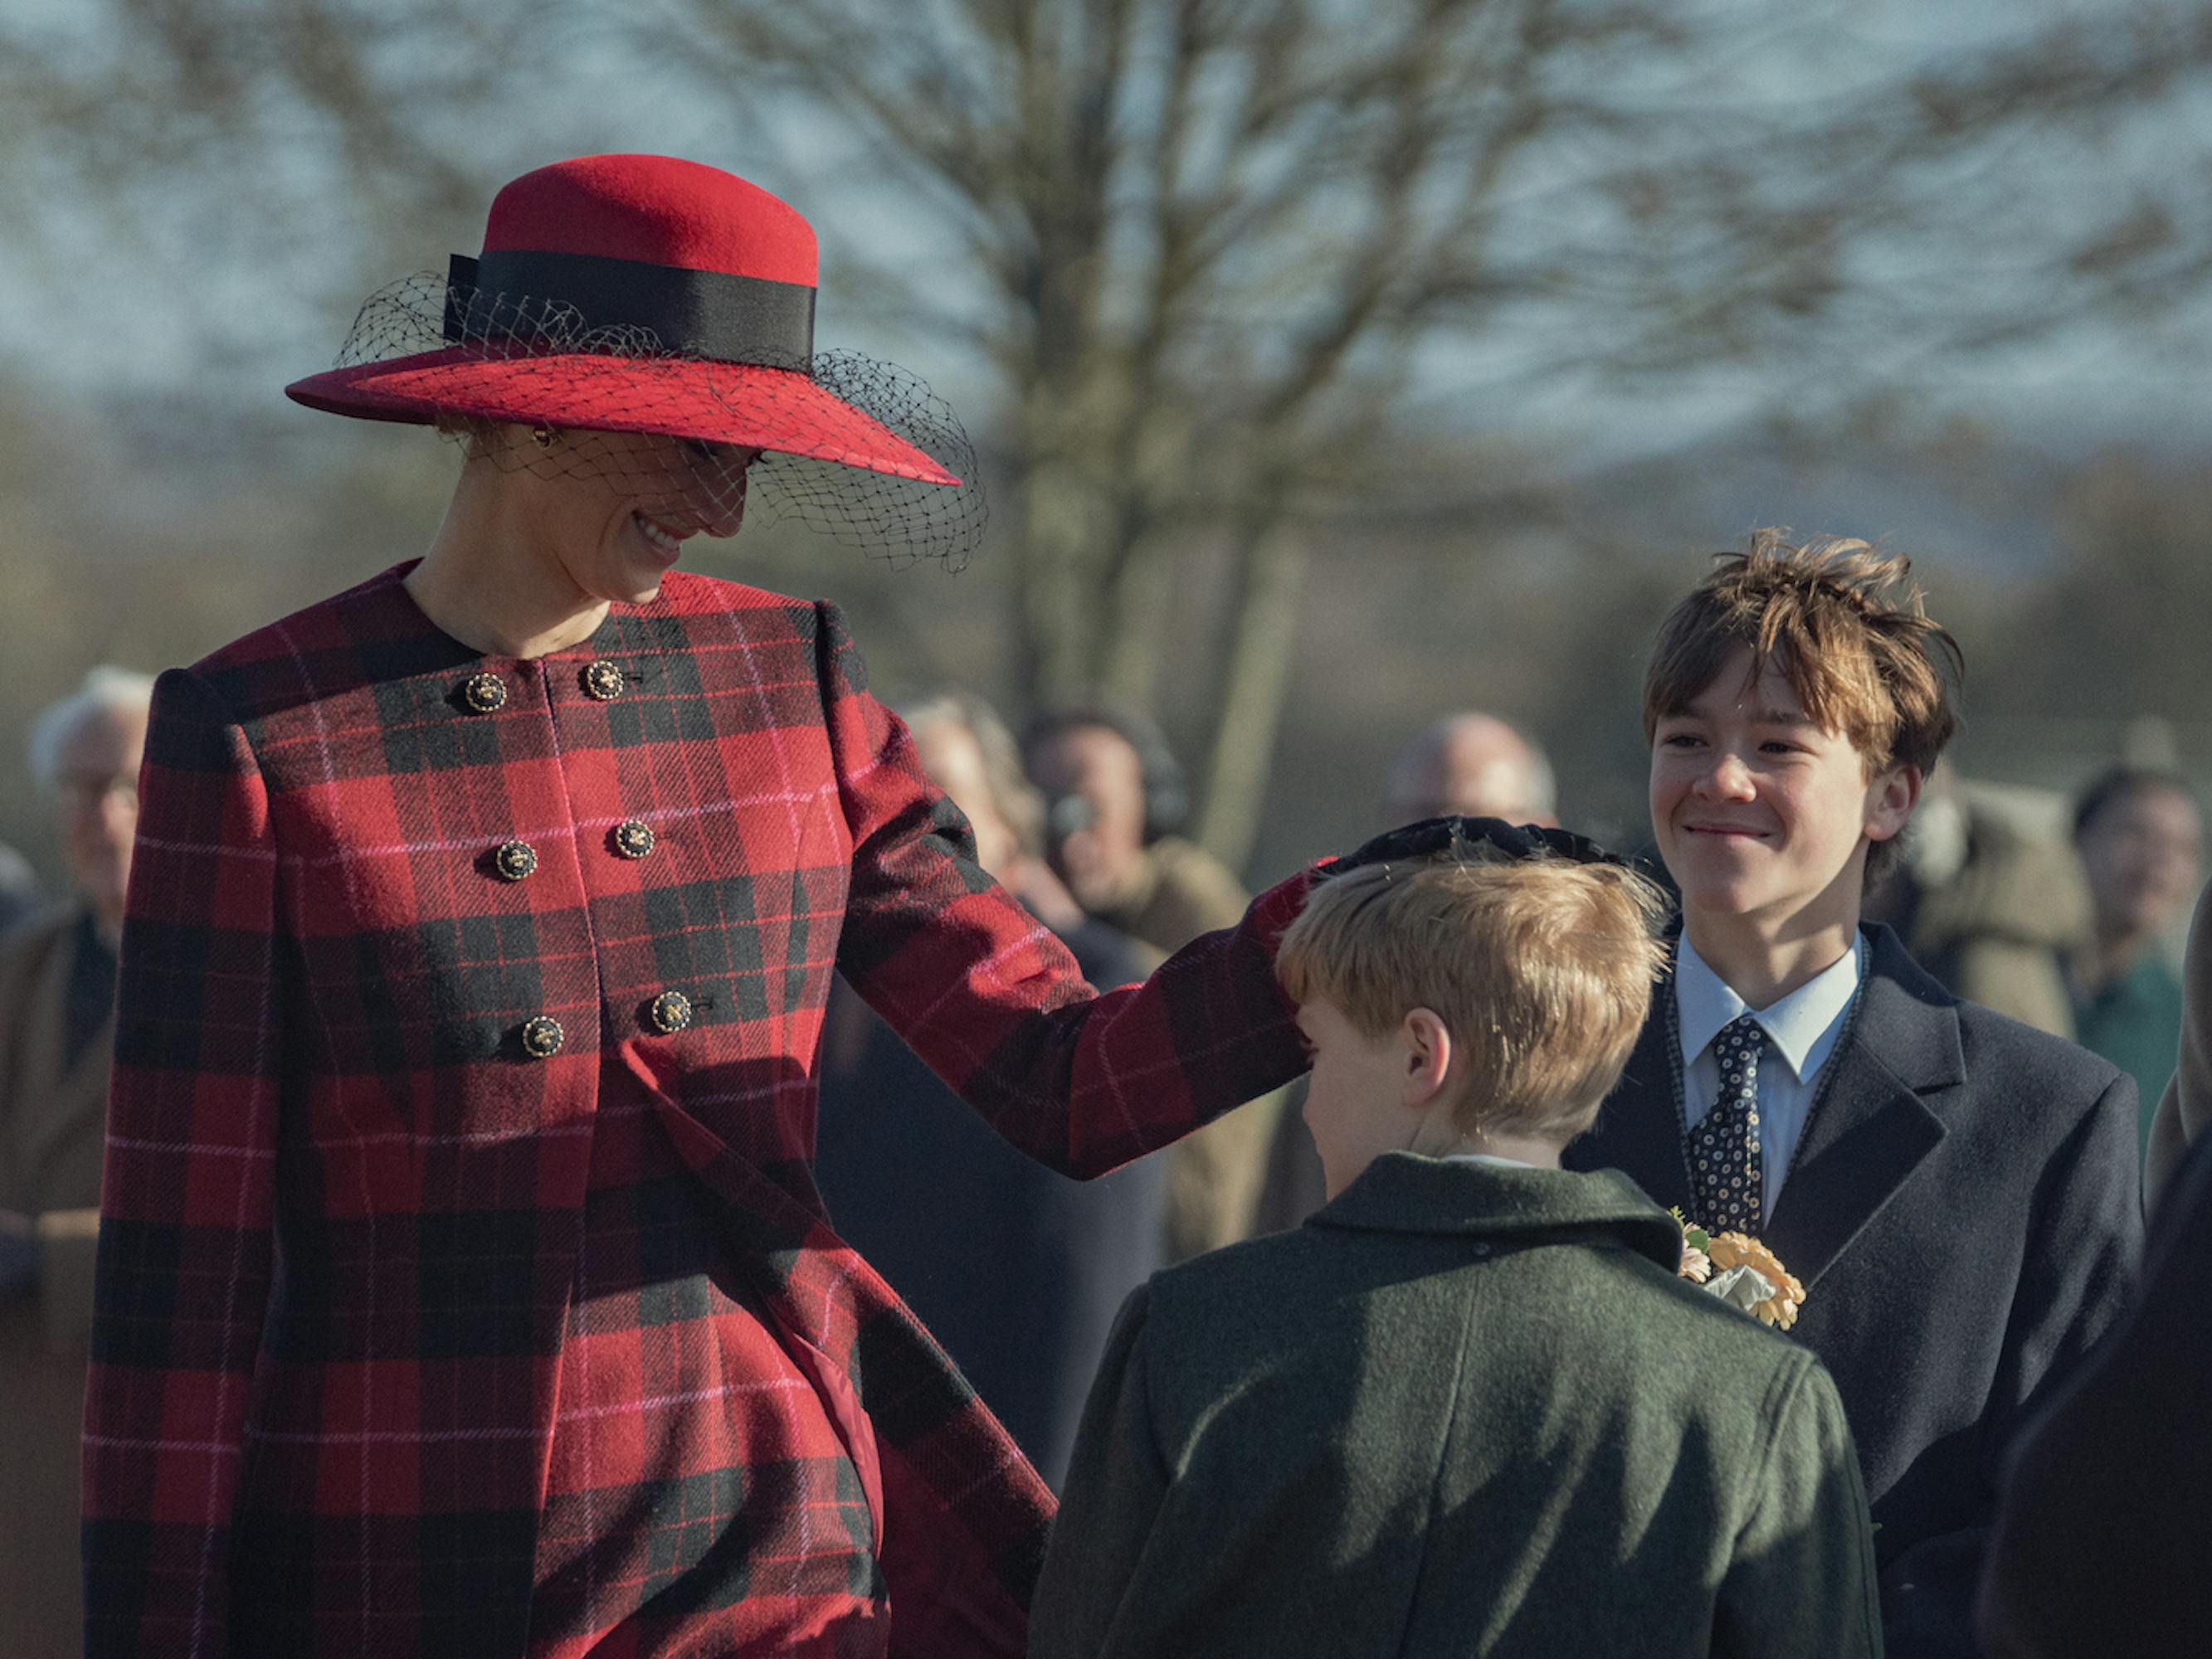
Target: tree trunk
[1272,576]
[1137,613]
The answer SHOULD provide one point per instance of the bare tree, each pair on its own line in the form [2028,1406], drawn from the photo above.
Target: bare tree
[1218,237]
[1234,265]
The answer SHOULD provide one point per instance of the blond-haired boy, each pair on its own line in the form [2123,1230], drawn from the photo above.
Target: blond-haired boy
[1468,1409]
[1956,1192]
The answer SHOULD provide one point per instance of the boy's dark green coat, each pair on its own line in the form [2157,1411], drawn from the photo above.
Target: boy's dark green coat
[1464,1410]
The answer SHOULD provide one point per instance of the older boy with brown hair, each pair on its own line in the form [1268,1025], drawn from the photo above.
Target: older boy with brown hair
[1468,1407]
[1955,1191]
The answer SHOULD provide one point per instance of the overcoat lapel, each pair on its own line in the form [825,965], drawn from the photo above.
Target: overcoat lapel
[1637,1131]
[1868,1134]
[1870,1129]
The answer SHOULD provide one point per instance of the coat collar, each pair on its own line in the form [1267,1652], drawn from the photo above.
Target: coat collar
[1868,1133]
[1402,1192]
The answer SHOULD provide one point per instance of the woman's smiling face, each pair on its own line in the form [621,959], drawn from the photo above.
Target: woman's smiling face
[617,532]
[1757,810]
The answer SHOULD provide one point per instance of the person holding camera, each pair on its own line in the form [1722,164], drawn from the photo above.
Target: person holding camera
[1115,801]
[1116,804]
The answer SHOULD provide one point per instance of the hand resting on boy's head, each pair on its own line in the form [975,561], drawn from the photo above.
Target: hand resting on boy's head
[1473,838]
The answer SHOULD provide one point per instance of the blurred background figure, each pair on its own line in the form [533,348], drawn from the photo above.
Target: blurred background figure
[2141,838]
[1017,1271]
[1471,763]
[1987,905]
[1475,764]
[1115,801]
[56,1038]
[19,887]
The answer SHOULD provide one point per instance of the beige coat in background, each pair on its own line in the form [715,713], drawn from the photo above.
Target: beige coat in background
[2183,1113]
[51,1118]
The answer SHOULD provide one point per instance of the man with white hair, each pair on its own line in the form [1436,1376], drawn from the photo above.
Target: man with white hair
[1475,764]
[57,1036]
[1472,764]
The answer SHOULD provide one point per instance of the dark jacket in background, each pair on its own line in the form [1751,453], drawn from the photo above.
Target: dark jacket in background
[2100,1547]
[1016,1269]
[1462,1411]
[1961,1210]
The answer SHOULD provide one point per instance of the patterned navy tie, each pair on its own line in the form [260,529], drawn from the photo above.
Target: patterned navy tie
[1726,1173]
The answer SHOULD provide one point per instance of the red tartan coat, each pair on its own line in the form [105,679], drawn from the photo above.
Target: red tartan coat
[407,1147]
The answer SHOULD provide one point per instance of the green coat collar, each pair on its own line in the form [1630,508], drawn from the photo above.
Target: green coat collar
[1401,1193]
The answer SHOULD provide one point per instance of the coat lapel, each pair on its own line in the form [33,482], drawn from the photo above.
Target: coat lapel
[1636,1130]
[1870,1129]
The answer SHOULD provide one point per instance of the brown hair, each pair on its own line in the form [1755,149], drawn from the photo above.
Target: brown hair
[1847,627]
[1541,970]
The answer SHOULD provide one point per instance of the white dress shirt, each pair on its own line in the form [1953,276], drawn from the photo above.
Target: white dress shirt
[1801,1029]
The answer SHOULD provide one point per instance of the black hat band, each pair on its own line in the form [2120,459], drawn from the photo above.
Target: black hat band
[705,314]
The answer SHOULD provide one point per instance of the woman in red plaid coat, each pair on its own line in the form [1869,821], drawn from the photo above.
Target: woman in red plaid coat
[463,1286]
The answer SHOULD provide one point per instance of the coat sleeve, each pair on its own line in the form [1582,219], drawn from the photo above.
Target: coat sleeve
[1802,1584]
[2084,1248]
[183,1275]
[991,1000]
[2099,1547]
[1117,1482]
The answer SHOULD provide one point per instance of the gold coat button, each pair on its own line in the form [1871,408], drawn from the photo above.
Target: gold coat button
[671,1012]
[633,839]
[515,860]
[486,694]
[604,681]
[541,1038]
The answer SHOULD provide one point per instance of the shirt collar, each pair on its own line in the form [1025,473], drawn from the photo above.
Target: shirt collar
[1704,1005]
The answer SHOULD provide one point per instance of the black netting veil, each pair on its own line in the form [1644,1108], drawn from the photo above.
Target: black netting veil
[854,449]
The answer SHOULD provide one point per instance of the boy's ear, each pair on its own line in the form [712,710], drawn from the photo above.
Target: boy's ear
[1428,1056]
[1890,801]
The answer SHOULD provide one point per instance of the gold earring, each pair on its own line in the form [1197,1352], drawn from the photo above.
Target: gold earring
[542,436]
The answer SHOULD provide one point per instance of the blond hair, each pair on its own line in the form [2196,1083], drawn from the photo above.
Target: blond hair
[1540,969]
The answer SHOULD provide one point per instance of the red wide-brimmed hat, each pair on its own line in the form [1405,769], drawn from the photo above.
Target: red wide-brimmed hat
[643,293]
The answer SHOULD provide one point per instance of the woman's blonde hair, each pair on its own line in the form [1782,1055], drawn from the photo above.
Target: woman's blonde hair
[1540,969]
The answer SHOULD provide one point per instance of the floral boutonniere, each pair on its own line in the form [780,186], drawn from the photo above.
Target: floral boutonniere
[1740,1271]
